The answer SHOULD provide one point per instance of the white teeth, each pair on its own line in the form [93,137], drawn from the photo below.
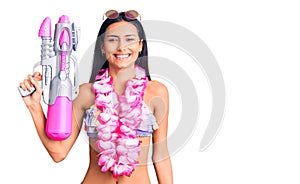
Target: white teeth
[121,56]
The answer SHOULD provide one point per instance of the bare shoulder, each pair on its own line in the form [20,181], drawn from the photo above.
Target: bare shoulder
[85,87]
[85,96]
[157,99]
[156,88]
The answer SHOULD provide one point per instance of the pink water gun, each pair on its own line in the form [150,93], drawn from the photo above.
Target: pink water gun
[59,84]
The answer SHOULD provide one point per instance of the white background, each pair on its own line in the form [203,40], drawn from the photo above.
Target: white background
[256,44]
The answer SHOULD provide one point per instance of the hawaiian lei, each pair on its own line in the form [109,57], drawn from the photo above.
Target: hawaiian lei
[117,138]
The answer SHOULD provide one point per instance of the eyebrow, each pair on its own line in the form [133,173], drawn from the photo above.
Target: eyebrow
[125,35]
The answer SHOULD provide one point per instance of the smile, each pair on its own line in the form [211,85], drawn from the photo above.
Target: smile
[122,56]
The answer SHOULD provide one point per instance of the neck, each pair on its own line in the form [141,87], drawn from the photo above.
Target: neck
[120,76]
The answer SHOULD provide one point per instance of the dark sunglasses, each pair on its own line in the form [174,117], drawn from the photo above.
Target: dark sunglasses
[130,14]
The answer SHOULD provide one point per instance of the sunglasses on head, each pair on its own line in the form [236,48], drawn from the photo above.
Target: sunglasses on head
[130,14]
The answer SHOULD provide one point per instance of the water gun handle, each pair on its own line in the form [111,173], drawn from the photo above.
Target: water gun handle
[25,93]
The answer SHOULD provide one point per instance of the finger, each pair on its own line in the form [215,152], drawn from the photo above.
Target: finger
[37,76]
[29,76]
[22,86]
[35,84]
[27,85]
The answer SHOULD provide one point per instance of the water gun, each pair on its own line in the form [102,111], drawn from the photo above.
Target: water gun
[59,79]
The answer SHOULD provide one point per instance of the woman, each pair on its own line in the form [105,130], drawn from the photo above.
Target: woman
[122,109]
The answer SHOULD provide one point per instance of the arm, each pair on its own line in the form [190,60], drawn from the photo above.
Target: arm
[161,158]
[58,150]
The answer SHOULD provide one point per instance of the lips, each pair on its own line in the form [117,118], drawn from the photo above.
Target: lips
[122,56]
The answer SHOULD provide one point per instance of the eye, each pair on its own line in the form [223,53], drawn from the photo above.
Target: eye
[113,39]
[130,39]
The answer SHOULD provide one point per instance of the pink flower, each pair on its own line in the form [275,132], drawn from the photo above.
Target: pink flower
[106,162]
[127,131]
[120,169]
[117,137]
[100,87]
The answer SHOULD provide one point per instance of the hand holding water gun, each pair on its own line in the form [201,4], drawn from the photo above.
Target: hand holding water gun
[59,79]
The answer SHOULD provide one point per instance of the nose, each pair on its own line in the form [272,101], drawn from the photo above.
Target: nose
[122,45]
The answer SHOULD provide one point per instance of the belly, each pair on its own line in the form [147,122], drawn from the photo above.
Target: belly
[140,175]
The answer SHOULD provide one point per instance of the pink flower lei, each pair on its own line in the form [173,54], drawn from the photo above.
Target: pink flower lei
[117,137]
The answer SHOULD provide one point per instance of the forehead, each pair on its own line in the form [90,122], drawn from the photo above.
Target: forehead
[121,28]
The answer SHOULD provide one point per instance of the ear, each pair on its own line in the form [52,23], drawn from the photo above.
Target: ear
[141,45]
[102,48]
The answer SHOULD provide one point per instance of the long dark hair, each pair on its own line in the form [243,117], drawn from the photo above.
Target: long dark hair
[99,60]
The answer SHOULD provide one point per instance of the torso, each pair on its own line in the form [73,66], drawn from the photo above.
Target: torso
[140,175]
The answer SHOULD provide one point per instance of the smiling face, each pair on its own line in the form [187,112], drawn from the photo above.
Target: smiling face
[121,44]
